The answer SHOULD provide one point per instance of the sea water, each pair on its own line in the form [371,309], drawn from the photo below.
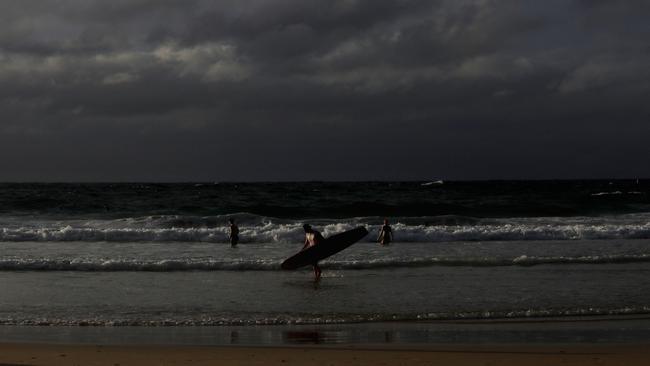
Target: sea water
[158,254]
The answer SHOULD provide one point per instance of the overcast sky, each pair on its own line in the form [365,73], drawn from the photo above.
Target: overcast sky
[192,90]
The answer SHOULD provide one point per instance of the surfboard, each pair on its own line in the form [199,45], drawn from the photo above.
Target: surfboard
[328,247]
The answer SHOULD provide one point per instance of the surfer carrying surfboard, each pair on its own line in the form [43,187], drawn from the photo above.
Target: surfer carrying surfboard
[316,248]
[313,237]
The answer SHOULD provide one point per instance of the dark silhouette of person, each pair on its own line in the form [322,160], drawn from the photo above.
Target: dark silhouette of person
[234,233]
[385,234]
[313,237]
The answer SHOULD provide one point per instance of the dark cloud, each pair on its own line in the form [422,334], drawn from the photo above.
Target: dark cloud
[346,89]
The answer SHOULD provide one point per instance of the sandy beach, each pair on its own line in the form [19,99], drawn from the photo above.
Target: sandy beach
[50,354]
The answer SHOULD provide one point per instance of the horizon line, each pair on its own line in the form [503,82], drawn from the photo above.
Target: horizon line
[215,182]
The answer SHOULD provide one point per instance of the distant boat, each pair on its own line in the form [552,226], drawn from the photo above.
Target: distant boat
[432,183]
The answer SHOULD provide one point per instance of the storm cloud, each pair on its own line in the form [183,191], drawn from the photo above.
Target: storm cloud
[191,90]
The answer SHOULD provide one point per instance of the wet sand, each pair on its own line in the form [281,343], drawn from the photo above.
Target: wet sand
[582,341]
[581,354]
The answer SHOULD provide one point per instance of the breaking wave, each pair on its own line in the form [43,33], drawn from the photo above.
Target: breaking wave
[291,232]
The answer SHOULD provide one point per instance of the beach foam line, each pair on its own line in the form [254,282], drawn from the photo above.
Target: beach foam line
[144,319]
[189,264]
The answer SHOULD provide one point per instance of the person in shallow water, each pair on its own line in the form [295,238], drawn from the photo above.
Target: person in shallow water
[313,237]
[234,233]
[385,234]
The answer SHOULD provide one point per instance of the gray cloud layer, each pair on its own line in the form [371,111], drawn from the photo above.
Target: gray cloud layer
[345,89]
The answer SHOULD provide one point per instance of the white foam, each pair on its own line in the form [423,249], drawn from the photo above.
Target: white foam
[197,264]
[432,183]
[607,193]
[259,229]
[285,319]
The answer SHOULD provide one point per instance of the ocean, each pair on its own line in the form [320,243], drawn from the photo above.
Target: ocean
[151,254]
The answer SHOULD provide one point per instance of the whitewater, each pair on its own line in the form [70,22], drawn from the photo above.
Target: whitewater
[260,229]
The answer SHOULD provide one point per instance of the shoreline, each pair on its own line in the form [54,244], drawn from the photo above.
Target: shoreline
[461,355]
[627,329]
[579,341]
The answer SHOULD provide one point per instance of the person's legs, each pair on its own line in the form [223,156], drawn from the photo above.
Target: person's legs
[317,272]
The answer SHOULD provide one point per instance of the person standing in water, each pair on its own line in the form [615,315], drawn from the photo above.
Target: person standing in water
[234,233]
[385,234]
[313,237]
